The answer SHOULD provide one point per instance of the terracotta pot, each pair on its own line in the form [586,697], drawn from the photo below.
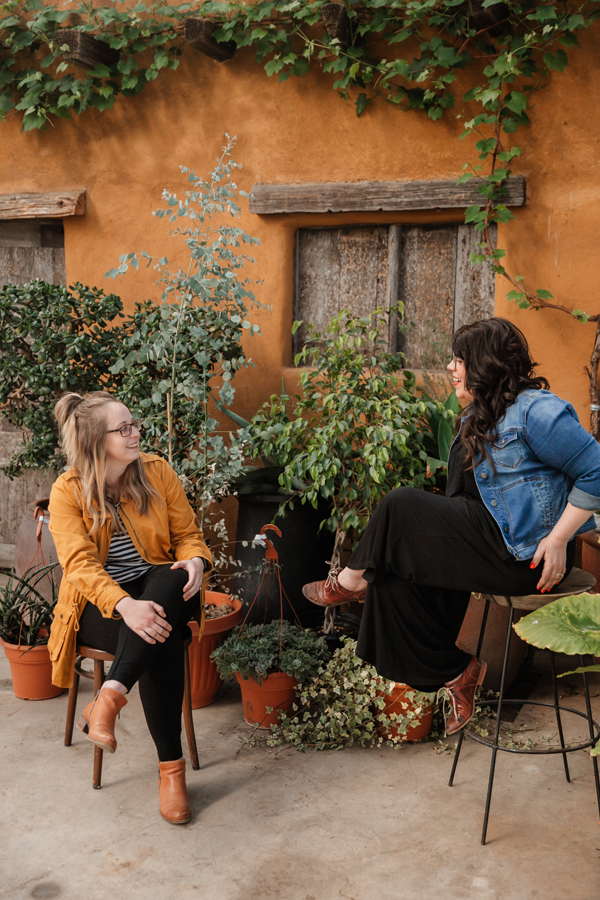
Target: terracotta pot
[28,553]
[205,680]
[276,691]
[394,704]
[31,672]
[590,556]
[494,642]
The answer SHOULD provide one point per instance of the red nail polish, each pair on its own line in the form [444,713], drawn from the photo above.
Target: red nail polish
[532,566]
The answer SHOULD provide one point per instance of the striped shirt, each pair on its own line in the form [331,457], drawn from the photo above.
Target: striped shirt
[123,562]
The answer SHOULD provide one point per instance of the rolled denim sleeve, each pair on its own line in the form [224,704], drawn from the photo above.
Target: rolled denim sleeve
[558,440]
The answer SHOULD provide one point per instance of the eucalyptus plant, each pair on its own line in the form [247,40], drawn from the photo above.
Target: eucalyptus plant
[179,353]
[358,426]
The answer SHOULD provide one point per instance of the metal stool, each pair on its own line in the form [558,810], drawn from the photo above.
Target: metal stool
[100,657]
[577,582]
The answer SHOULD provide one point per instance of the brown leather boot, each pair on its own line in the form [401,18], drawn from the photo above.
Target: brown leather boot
[172,792]
[331,593]
[98,718]
[461,692]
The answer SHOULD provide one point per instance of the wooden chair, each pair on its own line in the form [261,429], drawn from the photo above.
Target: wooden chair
[100,657]
[576,582]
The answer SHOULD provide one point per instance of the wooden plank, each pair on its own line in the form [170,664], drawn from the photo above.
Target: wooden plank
[393,281]
[21,233]
[475,291]
[375,196]
[54,205]
[337,22]
[198,31]
[86,50]
[338,268]
[16,495]
[19,265]
[428,285]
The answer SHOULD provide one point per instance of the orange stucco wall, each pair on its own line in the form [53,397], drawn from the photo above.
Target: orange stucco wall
[302,131]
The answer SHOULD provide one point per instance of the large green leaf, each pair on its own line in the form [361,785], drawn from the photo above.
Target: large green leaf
[451,403]
[570,625]
[445,438]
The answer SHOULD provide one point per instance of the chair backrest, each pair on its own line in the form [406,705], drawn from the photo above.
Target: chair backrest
[576,582]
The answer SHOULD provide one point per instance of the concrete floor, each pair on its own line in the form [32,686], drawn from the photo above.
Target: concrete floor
[283,825]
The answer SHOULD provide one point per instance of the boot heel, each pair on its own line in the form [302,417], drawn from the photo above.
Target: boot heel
[83,725]
[482,674]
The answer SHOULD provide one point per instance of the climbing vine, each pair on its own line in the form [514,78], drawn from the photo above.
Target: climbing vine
[408,53]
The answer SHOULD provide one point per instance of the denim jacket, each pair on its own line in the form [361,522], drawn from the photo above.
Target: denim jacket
[544,458]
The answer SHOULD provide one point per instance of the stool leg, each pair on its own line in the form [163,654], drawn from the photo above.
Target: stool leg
[187,712]
[98,682]
[497,732]
[558,719]
[71,707]
[461,736]
[588,707]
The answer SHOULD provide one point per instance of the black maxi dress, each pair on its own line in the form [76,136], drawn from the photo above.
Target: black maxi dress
[424,554]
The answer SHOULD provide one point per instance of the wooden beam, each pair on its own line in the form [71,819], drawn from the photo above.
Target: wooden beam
[375,196]
[337,22]
[86,50]
[198,34]
[42,206]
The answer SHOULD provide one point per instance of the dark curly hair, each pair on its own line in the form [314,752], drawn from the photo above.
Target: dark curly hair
[498,367]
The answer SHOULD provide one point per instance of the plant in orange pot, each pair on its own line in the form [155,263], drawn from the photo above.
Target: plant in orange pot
[223,613]
[269,661]
[25,619]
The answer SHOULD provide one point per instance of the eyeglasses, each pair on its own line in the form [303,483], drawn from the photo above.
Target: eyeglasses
[125,430]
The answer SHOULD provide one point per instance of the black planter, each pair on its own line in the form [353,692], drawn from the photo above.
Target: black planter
[303,555]
[346,625]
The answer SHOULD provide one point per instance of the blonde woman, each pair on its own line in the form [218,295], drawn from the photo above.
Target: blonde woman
[133,561]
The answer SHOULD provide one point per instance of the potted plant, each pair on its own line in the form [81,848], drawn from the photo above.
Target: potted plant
[222,613]
[25,619]
[268,662]
[346,702]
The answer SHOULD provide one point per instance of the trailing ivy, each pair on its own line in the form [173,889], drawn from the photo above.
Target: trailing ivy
[407,53]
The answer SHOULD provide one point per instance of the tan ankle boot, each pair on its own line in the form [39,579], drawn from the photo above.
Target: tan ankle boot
[172,792]
[98,718]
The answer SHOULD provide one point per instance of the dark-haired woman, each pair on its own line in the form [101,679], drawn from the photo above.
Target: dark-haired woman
[133,561]
[523,480]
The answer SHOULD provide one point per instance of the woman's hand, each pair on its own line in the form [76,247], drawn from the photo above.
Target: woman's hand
[554,553]
[195,569]
[146,618]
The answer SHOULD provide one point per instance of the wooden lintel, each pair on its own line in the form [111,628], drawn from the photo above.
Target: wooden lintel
[376,196]
[86,50]
[42,206]
[198,31]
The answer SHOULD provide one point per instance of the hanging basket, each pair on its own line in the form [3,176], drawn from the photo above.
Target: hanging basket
[276,693]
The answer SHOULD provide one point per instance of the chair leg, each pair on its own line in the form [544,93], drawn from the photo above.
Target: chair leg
[588,707]
[98,752]
[187,712]
[461,736]
[558,719]
[71,707]
[497,731]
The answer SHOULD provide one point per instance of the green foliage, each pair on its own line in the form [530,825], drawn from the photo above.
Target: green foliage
[52,339]
[569,625]
[356,430]
[25,615]
[407,54]
[342,704]
[176,354]
[440,436]
[256,651]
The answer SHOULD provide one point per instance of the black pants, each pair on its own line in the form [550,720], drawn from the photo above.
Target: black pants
[158,667]
[424,554]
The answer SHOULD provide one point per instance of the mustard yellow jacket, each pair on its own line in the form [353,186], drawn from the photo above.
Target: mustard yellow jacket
[166,534]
